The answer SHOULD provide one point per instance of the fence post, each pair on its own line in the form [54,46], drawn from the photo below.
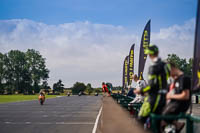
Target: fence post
[154,123]
[189,128]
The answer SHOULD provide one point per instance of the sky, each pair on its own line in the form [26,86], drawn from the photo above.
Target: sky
[87,40]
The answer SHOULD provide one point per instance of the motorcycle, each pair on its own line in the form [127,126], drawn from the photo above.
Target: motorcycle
[68,94]
[41,99]
[96,94]
[80,93]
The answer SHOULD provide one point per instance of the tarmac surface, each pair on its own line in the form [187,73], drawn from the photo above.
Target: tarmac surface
[115,119]
[74,114]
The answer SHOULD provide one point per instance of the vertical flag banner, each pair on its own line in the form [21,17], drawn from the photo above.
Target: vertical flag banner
[131,64]
[123,76]
[126,72]
[196,61]
[144,44]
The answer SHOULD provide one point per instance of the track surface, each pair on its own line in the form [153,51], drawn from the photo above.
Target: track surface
[72,114]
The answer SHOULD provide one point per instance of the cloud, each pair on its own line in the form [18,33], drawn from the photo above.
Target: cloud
[87,52]
[177,39]
[79,51]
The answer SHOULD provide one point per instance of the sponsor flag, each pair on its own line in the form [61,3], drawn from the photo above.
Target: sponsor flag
[131,64]
[125,74]
[196,61]
[144,44]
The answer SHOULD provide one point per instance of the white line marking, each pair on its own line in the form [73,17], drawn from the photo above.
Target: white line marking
[97,120]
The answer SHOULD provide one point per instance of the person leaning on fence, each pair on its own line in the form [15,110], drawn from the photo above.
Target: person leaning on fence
[109,86]
[130,92]
[140,85]
[178,98]
[104,88]
[156,90]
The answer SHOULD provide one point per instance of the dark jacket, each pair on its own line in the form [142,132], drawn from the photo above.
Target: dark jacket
[158,75]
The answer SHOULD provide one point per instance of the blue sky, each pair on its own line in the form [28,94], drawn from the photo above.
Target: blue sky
[87,40]
[129,13]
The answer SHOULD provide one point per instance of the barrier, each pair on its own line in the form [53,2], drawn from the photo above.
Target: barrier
[134,108]
[189,121]
[125,100]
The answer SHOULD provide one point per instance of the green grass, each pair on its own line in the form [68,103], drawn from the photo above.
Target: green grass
[15,98]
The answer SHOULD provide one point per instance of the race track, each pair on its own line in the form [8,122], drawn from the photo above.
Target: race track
[74,114]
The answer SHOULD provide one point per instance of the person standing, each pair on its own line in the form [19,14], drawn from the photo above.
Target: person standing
[157,88]
[104,88]
[109,86]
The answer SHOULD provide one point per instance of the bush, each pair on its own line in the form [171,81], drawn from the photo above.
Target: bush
[78,87]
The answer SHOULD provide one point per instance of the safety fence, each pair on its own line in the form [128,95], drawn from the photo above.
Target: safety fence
[192,122]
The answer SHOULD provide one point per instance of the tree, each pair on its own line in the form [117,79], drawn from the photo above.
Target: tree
[78,87]
[37,68]
[59,87]
[16,71]
[98,90]
[182,64]
[45,86]
[2,73]
[89,88]
[22,71]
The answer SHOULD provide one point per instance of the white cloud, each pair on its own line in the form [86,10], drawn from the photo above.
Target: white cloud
[79,51]
[87,52]
[177,39]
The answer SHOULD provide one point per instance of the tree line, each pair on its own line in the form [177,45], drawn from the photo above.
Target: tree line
[22,72]
[26,73]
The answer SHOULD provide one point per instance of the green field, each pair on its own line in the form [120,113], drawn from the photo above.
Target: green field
[15,98]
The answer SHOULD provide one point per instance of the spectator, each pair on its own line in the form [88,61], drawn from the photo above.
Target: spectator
[178,98]
[157,85]
[140,85]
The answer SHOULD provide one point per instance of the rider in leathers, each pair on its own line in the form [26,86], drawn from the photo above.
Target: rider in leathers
[157,85]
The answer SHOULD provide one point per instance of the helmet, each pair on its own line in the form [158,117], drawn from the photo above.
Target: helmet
[152,50]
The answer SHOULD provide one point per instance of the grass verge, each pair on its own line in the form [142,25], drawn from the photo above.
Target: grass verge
[16,98]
